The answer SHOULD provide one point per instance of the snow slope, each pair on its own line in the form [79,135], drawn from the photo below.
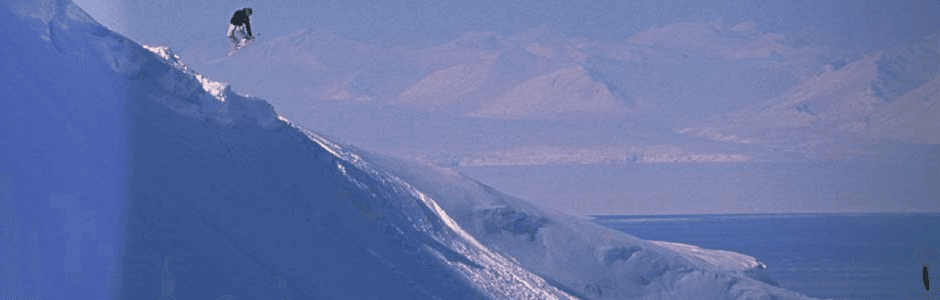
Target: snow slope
[583,258]
[214,196]
[223,199]
[62,151]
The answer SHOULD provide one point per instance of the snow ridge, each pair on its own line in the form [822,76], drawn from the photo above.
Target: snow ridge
[213,99]
[503,277]
[68,29]
[499,276]
[583,258]
[494,274]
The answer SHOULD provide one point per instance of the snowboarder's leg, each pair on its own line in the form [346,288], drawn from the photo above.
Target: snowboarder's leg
[231,34]
[244,31]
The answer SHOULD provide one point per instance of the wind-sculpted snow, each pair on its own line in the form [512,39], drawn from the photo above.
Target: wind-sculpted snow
[201,97]
[737,263]
[585,259]
[493,280]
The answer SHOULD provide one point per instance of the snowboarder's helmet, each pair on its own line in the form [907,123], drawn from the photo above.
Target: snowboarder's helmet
[248,11]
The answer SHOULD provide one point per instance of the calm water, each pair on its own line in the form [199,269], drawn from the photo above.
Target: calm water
[837,256]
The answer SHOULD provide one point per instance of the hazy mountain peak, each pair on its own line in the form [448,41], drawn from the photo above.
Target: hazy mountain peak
[746,26]
[911,117]
[542,32]
[680,35]
[479,40]
[565,92]
[903,68]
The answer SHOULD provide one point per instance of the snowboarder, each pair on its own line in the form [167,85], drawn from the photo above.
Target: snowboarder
[240,23]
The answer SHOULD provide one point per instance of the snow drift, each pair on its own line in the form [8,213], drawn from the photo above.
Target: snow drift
[581,257]
[213,196]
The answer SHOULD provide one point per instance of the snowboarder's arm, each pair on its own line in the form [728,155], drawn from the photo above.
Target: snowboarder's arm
[248,27]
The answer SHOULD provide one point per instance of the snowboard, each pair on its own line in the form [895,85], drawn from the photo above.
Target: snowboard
[243,43]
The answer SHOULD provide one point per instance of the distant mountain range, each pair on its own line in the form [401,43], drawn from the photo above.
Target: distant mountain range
[890,95]
[713,82]
[537,74]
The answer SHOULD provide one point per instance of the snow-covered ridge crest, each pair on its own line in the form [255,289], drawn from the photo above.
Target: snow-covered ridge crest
[734,262]
[203,97]
[582,258]
[48,16]
[499,276]
[214,88]
[72,32]
[722,259]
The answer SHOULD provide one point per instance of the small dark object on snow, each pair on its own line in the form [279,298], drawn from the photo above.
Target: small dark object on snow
[926,279]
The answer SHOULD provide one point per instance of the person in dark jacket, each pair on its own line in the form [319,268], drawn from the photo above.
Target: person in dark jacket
[240,23]
[926,279]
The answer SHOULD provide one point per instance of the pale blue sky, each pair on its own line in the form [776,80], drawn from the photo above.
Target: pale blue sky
[109,13]
[854,25]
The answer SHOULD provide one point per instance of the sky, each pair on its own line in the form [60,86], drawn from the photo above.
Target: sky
[854,25]
[109,13]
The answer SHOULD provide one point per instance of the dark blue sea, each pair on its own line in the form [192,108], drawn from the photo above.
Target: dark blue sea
[829,256]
